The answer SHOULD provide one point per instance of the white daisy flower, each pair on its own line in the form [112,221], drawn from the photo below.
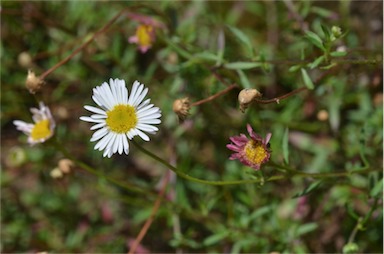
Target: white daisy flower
[120,117]
[43,128]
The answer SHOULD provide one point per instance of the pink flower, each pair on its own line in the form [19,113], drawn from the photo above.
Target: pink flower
[251,152]
[145,35]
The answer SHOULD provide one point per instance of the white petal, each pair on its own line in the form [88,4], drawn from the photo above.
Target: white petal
[97,126]
[111,145]
[125,145]
[92,120]
[98,102]
[144,108]
[99,134]
[132,96]
[151,121]
[96,116]
[95,110]
[142,135]
[103,142]
[146,127]
[120,143]
[145,103]
[137,95]
[147,112]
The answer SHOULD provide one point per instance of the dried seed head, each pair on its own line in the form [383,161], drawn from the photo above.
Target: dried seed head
[181,107]
[65,165]
[33,83]
[246,97]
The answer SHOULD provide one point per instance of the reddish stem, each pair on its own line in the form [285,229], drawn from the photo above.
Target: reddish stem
[277,99]
[76,51]
[149,221]
[212,97]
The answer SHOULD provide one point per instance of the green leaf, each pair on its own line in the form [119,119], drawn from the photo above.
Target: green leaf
[377,189]
[338,53]
[313,186]
[327,32]
[242,38]
[316,63]
[210,240]
[306,228]
[207,56]
[243,79]
[285,146]
[328,66]
[307,80]
[260,212]
[242,65]
[294,68]
[315,39]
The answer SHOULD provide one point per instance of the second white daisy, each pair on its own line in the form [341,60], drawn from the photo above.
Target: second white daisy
[121,117]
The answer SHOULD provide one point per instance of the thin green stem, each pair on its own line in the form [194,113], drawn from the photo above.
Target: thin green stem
[361,221]
[93,171]
[194,179]
[322,175]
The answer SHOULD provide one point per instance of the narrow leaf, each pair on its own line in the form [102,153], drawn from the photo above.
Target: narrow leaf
[285,146]
[307,80]
[316,63]
[294,68]
[338,53]
[210,240]
[242,65]
[242,38]
[306,228]
[377,189]
[313,186]
[314,39]
[243,79]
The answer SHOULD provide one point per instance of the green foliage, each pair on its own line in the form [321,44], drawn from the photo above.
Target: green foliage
[326,139]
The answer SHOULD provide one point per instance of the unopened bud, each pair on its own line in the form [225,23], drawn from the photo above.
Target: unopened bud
[246,97]
[33,83]
[65,165]
[181,107]
[336,31]
[56,173]
[24,59]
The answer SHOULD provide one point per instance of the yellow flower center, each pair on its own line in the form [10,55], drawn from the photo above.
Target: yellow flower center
[255,152]
[143,34]
[121,118]
[41,130]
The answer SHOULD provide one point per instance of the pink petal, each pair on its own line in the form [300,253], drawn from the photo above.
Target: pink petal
[267,138]
[234,148]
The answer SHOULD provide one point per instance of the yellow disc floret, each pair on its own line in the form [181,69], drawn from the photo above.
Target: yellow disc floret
[121,118]
[143,34]
[255,152]
[41,130]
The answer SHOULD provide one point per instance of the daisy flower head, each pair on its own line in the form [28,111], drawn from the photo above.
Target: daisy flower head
[253,151]
[120,117]
[43,127]
[145,35]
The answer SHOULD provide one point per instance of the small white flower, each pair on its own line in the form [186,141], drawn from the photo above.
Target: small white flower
[43,128]
[120,117]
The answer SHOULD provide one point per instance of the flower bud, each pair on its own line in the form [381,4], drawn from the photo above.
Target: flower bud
[33,83]
[65,165]
[246,97]
[181,107]
[336,31]
[56,173]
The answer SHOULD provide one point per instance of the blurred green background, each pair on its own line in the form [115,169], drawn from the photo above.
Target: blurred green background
[327,128]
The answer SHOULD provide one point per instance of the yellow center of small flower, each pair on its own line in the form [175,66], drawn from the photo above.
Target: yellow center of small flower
[143,34]
[121,118]
[41,130]
[255,152]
